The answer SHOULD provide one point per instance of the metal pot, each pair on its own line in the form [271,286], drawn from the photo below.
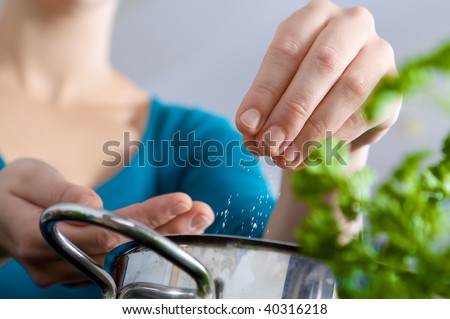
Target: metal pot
[188,266]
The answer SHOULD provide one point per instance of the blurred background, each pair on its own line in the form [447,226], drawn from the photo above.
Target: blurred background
[206,54]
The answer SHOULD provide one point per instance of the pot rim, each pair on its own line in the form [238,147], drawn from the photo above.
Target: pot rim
[205,240]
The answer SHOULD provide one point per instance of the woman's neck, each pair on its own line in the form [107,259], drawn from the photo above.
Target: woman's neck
[56,53]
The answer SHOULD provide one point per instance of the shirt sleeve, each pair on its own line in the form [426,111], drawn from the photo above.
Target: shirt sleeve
[211,164]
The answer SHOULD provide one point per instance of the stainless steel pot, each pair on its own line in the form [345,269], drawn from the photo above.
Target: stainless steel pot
[188,266]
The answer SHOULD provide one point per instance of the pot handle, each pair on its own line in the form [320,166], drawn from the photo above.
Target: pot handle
[125,226]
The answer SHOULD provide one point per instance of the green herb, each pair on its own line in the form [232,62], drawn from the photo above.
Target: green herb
[412,77]
[404,250]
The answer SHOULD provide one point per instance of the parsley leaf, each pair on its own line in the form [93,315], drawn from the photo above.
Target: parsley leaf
[404,250]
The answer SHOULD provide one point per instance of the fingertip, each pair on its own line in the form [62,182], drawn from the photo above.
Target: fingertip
[290,165]
[179,208]
[175,203]
[199,223]
[203,209]
[194,221]
[91,199]
[253,146]
[71,193]
[180,197]
[248,121]
[274,138]
[160,210]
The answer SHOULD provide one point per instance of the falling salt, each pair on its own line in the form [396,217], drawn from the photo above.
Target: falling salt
[229,200]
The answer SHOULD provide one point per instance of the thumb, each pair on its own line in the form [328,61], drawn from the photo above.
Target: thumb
[39,183]
[158,210]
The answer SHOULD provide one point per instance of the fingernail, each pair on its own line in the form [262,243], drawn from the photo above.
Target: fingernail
[179,208]
[274,137]
[199,222]
[251,118]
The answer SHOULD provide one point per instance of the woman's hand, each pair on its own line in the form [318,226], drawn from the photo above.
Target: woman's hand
[322,65]
[28,186]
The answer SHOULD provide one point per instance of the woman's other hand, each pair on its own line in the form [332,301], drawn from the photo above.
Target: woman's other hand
[28,186]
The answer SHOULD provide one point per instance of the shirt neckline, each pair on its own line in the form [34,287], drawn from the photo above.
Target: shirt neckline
[152,105]
[149,124]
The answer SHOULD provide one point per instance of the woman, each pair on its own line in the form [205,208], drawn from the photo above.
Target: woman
[65,110]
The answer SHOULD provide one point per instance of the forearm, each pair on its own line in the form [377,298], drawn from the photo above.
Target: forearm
[289,212]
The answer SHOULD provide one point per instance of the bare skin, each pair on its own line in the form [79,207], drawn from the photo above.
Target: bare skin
[59,104]
[315,79]
[73,99]
[22,205]
[62,99]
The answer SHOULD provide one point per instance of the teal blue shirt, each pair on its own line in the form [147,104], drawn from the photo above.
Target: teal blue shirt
[182,150]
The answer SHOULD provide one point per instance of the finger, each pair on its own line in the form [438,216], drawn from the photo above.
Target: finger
[158,210]
[153,213]
[346,96]
[27,244]
[255,146]
[194,222]
[357,131]
[60,271]
[290,45]
[21,236]
[42,185]
[94,240]
[328,58]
